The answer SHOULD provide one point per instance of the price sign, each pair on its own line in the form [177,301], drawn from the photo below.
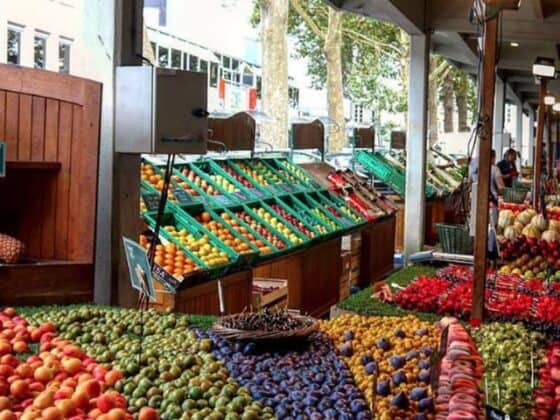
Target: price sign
[222,199]
[493,413]
[241,196]
[316,185]
[152,201]
[139,268]
[169,282]
[182,196]
[257,192]
[289,188]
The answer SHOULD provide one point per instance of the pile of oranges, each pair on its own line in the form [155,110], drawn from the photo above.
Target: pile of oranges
[172,259]
[148,174]
[224,234]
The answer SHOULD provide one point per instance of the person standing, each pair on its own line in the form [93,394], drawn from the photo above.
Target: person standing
[508,168]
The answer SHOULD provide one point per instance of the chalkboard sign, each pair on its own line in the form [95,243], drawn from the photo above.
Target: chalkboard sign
[493,413]
[182,196]
[289,188]
[169,282]
[151,200]
[316,185]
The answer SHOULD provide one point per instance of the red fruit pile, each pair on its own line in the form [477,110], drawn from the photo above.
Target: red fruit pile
[458,394]
[547,396]
[423,294]
[457,301]
[60,382]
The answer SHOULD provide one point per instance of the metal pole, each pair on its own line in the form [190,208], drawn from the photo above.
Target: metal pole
[537,171]
[485,148]
[519,128]
[416,144]
[499,114]
[549,143]
[531,156]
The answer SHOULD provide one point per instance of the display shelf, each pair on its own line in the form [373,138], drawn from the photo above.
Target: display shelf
[46,166]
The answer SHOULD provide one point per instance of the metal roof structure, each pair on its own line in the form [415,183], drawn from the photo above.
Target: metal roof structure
[534,30]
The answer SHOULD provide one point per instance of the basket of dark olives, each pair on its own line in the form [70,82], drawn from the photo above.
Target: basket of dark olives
[266,325]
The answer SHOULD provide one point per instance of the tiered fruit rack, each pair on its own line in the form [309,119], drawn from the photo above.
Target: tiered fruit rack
[271,205]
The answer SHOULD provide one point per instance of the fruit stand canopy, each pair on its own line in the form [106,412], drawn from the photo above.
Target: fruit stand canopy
[535,27]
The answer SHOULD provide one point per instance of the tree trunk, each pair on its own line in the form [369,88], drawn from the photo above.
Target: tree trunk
[432,106]
[274,27]
[405,65]
[335,97]
[448,105]
[462,98]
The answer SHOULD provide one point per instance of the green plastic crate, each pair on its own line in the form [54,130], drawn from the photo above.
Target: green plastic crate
[347,212]
[284,184]
[298,172]
[195,230]
[266,191]
[256,189]
[275,182]
[300,215]
[304,202]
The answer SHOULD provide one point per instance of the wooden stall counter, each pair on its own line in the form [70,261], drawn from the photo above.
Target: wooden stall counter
[313,277]
[203,299]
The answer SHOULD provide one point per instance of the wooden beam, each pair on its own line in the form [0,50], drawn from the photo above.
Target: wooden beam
[539,148]
[485,149]
[538,8]
[549,143]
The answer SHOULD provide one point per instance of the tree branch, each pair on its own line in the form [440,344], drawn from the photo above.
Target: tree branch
[296,5]
[371,42]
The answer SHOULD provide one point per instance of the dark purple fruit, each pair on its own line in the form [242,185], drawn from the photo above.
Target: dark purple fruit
[400,401]
[418,393]
[398,378]
[383,344]
[383,388]
[397,361]
[371,368]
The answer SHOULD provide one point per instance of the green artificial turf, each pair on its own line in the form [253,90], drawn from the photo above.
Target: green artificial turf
[364,304]
[201,321]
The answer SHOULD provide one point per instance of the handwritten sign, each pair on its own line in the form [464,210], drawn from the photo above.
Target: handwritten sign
[151,200]
[183,197]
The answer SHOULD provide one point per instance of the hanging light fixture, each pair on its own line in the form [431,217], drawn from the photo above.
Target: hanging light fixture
[549,100]
[556,107]
[544,68]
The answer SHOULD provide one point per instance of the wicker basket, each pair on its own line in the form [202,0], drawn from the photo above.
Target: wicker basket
[310,326]
[515,195]
[455,239]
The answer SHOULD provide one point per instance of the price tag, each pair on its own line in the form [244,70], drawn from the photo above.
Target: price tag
[316,185]
[289,188]
[139,268]
[240,195]
[169,282]
[493,413]
[222,199]
[151,200]
[182,196]
[257,192]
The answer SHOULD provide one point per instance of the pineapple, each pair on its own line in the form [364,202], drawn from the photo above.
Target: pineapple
[11,249]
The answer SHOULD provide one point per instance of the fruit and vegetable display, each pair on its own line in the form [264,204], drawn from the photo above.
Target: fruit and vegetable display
[512,356]
[171,259]
[547,395]
[260,229]
[292,220]
[155,179]
[254,238]
[390,360]
[236,242]
[202,247]
[286,229]
[265,320]
[11,249]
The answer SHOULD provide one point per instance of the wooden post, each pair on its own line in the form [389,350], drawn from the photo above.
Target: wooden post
[537,171]
[549,156]
[126,167]
[485,148]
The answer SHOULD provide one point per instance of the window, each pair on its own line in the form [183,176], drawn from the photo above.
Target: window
[234,64]
[175,59]
[203,66]
[226,62]
[226,75]
[213,75]
[163,56]
[248,78]
[39,51]
[259,86]
[154,48]
[185,61]
[14,45]
[293,97]
[64,56]
[358,113]
[193,63]
[236,78]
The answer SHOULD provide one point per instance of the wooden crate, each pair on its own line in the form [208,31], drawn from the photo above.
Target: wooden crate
[378,250]
[203,299]
[346,258]
[280,292]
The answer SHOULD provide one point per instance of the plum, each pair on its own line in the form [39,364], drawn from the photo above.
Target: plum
[371,368]
[426,404]
[383,344]
[422,332]
[418,393]
[348,336]
[399,333]
[424,364]
[424,375]
[400,400]
[412,355]
[397,361]
[383,388]
[357,406]
[398,377]
[366,358]
[346,349]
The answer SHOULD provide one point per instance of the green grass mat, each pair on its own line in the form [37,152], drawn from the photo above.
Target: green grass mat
[362,303]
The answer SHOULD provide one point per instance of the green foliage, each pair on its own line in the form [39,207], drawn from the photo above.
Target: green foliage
[364,304]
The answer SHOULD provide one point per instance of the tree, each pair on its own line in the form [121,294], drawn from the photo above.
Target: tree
[462,87]
[273,32]
[448,102]
[432,105]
